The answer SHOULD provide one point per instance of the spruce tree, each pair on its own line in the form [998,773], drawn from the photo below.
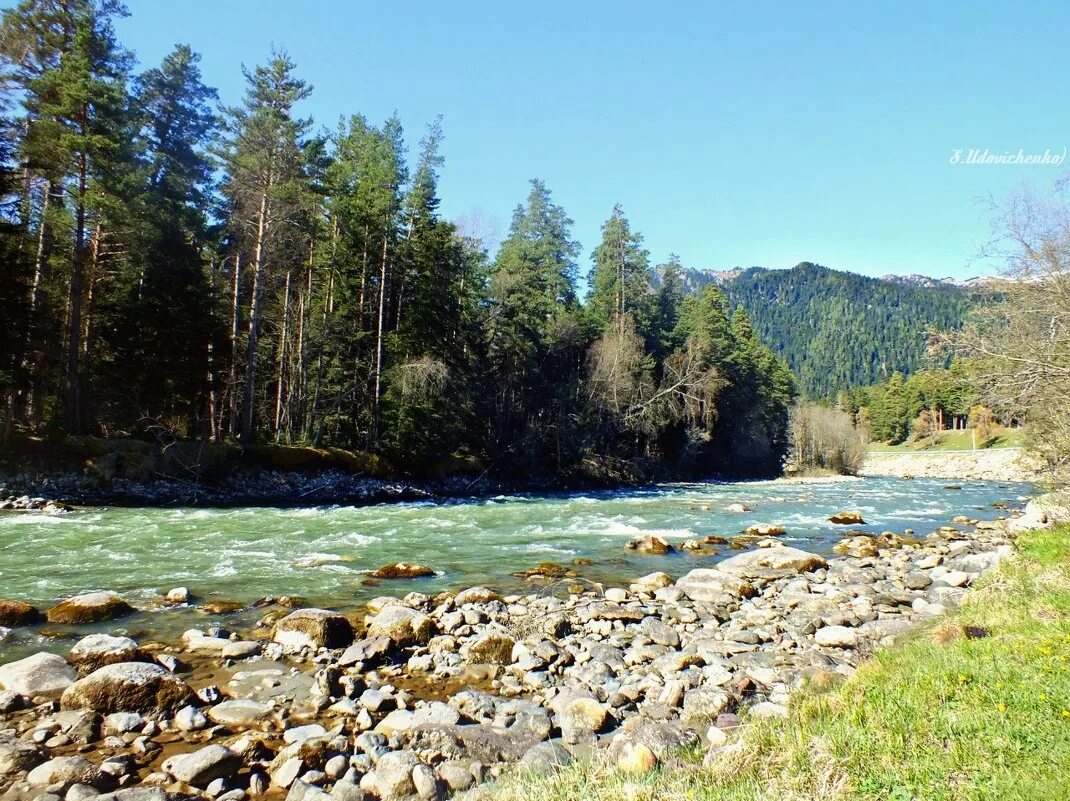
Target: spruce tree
[620,279]
[263,160]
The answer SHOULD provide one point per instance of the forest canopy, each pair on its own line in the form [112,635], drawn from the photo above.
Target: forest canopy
[241,274]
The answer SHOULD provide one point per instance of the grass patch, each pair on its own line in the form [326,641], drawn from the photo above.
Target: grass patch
[974,706]
[952,441]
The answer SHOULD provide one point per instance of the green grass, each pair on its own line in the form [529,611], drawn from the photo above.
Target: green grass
[951,441]
[974,706]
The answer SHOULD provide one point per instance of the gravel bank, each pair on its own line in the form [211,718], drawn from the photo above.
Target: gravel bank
[426,697]
[993,464]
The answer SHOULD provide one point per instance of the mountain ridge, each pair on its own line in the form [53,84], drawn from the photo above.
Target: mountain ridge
[837,329]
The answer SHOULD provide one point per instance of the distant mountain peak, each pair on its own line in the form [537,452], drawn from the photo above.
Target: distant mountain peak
[916,279]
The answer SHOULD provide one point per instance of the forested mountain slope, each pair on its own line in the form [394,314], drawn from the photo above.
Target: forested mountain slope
[838,329]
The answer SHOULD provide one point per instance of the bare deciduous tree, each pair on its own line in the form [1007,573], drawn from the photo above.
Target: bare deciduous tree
[825,438]
[1022,339]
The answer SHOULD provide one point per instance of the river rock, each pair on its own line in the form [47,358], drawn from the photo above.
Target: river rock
[847,519]
[90,607]
[392,778]
[476,595]
[651,582]
[702,705]
[18,613]
[403,570]
[97,650]
[128,687]
[123,722]
[17,755]
[301,790]
[189,718]
[836,637]
[765,530]
[204,765]
[581,718]
[546,756]
[42,674]
[197,641]
[65,770]
[239,714]
[547,571]
[651,544]
[661,738]
[659,632]
[241,649]
[857,546]
[313,628]
[636,758]
[711,584]
[402,626]
[491,648]
[779,557]
[178,596]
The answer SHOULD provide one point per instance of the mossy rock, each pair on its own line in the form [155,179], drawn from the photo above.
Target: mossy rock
[359,462]
[293,457]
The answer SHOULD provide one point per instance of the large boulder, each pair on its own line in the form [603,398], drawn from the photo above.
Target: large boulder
[779,557]
[97,650]
[91,607]
[402,626]
[42,674]
[847,519]
[128,687]
[313,628]
[712,585]
[17,613]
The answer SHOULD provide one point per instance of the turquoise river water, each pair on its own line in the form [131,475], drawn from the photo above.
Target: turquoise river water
[324,554]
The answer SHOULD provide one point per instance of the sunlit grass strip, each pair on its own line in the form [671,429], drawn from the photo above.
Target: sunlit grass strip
[976,706]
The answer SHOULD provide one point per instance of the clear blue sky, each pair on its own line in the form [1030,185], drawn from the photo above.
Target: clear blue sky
[732,133]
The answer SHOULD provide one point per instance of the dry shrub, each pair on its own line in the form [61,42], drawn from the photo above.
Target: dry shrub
[827,439]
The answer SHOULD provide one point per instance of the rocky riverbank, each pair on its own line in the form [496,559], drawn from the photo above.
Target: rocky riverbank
[428,697]
[989,464]
[260,488]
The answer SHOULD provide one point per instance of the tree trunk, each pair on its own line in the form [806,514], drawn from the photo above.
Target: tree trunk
[379,344]
[280,367]
[247,435]
[73,405]
[33,362]
[235,318]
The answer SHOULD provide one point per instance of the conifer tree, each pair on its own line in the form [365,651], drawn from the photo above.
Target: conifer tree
[262,156]
[620,277]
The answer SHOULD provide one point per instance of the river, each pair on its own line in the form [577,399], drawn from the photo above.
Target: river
[324,554]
